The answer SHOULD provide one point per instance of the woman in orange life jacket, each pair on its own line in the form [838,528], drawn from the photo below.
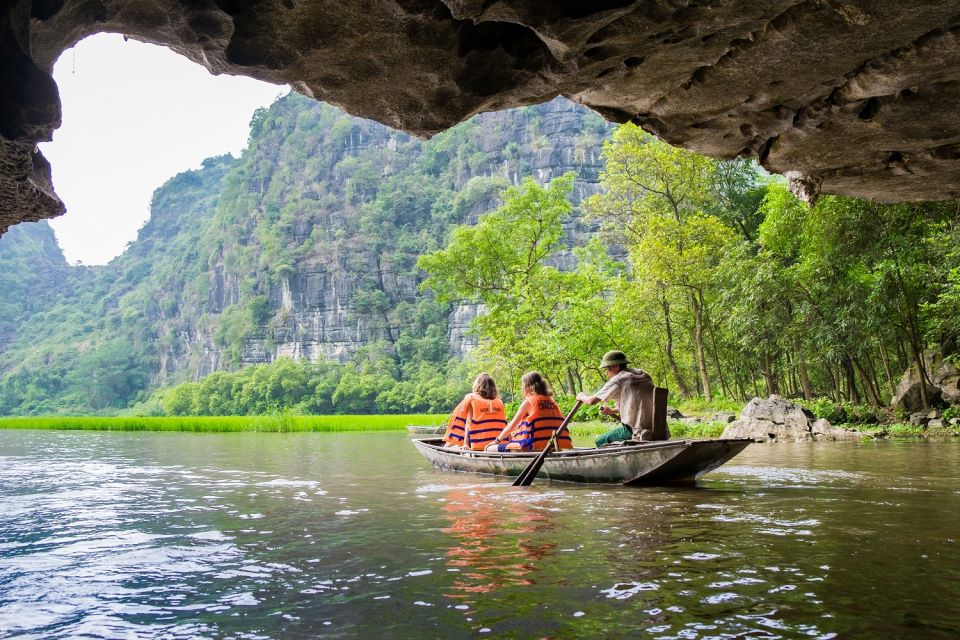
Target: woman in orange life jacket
[536,420]
[478,418]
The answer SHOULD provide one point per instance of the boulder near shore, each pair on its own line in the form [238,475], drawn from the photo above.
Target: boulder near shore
[777,420]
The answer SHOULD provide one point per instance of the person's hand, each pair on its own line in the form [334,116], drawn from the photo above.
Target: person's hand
[607,411]
[582,397]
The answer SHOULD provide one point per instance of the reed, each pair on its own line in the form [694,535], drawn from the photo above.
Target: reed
[213,424]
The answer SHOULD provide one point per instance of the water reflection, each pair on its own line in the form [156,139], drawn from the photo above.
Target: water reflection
[353,535]
[495,541]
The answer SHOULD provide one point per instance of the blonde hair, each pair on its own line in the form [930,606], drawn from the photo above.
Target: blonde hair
[485,387]
[535,383]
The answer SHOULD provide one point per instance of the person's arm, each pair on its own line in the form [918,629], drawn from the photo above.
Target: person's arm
[467,416]
[585,399]
[605,392]
[505,434]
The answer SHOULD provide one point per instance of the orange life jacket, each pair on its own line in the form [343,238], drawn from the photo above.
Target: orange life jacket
[456,428]
[541,418]
[487,420]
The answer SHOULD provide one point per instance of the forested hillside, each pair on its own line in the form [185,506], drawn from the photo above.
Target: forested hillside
[730,287]
[342,267]
[304,247]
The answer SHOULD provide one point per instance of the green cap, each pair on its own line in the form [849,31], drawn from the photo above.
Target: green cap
[611,358]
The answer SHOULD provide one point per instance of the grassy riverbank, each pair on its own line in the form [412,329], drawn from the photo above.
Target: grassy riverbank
[584,432]
[215,424]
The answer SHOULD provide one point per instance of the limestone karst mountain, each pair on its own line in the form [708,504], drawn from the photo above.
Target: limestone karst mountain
[304,247]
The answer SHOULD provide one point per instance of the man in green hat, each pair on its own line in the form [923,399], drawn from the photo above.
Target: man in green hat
[625,386]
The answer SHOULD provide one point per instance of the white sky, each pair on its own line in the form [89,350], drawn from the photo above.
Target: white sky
[135,115]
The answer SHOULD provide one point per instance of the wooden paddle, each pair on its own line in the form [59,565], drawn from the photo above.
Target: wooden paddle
[525,479]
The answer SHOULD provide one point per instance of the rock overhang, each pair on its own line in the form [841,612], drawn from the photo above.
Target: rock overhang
[849,97]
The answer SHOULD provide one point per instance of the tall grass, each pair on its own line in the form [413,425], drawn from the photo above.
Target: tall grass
[213,424]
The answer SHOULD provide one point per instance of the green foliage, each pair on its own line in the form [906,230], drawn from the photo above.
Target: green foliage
[369,386]
[277,422]
[844,413]
[681,430]
[216,276]
[709,274]
[536,315]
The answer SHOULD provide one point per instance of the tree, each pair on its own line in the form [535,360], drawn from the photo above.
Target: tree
[657,201]
[532,308]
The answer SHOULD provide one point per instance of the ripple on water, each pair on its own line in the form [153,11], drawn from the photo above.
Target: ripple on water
[798,478]
[123,545]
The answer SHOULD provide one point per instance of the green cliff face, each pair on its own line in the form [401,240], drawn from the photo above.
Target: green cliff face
[304,247]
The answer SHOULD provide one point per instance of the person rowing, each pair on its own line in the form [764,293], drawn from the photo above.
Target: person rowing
[626,387]
[537,418]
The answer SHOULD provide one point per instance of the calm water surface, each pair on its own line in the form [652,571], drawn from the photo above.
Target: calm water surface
[166,535]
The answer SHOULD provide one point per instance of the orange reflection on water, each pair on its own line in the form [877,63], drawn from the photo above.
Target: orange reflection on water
[494,541]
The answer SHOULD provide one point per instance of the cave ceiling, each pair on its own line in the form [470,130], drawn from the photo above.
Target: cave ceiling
[858,98]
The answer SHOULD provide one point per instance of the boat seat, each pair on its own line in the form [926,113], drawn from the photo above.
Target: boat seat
[653,416]
[653,412]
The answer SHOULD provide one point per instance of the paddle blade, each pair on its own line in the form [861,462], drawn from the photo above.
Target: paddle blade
[525,479]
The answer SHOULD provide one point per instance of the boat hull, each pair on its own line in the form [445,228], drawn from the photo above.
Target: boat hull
[666,462]
[430,430]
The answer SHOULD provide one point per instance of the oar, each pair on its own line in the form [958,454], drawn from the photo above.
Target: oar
[525,479]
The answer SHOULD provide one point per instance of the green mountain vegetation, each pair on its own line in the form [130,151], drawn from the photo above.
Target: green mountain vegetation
[303,249]
[334,268]
[730,288]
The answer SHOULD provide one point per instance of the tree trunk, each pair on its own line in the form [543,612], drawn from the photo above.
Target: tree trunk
[792,376]
[716,359]
[886,368]
[853,394]
[697,303]
[804,376]
[768,377]
[740,388]
[837,390]
[902,356]
[868,389]
[674,369]
[871,369]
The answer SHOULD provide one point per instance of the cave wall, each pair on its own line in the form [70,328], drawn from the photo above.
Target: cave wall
[858,98]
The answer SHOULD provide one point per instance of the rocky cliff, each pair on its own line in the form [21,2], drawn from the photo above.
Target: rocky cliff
[303,247]
[33,272]
[846,97]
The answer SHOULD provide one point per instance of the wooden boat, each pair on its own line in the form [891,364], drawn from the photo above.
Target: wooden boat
[426,430]
[662,462]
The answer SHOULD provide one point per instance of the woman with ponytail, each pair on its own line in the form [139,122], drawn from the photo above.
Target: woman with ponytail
[537,418]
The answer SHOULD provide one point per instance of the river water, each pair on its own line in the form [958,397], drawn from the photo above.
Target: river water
[354,535]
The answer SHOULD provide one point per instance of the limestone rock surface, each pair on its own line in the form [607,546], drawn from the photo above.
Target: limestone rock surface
[845,97]
[777,420]
[945,387]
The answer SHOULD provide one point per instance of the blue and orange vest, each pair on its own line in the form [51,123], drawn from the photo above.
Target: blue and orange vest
[541,418]
[486,422]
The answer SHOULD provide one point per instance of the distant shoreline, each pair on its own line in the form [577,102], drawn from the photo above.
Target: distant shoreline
[285,423]
[279,423]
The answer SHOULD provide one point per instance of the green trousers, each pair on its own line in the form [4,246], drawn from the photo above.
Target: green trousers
[621,432]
